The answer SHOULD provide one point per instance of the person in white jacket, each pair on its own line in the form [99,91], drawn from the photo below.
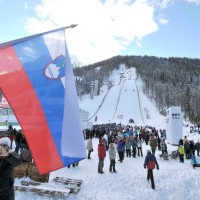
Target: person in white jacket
[112,156]
[89,147]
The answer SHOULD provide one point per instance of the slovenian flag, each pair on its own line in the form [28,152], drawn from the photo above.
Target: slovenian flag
[37,79]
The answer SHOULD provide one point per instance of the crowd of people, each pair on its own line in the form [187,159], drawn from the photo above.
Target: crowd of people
[118,140]
[127,141]
[188,148]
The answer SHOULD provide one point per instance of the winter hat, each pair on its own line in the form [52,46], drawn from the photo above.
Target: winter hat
[148,151]
[5,141]
[111,145]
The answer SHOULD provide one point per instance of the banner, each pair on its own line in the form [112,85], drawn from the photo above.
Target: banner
[37,79]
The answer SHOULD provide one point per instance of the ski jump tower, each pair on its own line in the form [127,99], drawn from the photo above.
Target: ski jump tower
[174,125]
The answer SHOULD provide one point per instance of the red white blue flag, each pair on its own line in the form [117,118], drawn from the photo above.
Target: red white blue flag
[37,79]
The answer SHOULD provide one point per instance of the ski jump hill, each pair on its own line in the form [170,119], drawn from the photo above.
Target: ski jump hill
[120,103]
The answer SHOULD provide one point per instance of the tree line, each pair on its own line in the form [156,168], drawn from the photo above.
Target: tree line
[167,82]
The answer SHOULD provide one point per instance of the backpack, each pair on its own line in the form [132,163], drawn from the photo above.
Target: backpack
[151,164]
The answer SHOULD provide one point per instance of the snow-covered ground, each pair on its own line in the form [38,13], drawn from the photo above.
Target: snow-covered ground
[173,181]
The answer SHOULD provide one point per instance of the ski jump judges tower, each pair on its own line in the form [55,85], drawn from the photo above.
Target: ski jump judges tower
[174,125]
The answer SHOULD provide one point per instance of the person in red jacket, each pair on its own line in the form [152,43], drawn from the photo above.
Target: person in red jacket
[101,155]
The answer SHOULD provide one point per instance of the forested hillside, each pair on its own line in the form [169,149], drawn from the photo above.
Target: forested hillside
[167,81]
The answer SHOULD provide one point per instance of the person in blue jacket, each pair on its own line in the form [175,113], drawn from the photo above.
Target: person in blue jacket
[194,162]
[121,149]
[150,163]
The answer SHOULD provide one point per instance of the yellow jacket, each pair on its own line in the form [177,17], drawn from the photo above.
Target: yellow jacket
[181,150]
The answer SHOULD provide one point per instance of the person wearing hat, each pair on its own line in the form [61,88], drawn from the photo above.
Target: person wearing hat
[150,162]
[112,156]
[8,160]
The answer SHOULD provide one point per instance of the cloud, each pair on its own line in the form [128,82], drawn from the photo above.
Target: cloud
[163,21]
[197,2]
[105,28]
[26,6]
[160,4]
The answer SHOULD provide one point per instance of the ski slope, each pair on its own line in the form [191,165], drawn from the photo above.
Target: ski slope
[107,110]
[120,104]
[124,101]
[128,106]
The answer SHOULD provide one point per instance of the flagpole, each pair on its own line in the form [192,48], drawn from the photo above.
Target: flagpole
[71,26]
[13,42]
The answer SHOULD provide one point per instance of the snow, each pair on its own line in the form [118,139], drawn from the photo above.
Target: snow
[174,180]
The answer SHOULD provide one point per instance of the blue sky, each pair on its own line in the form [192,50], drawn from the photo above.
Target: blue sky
[180,37]
[108,28]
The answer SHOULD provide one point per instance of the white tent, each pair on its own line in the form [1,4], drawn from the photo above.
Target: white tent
[174,127]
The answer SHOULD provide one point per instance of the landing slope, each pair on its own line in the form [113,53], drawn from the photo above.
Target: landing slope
[129,105]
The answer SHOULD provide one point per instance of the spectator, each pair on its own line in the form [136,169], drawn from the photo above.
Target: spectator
[185,140]
[11,137]
[187,149]
[18,140]
[153,145]
[128,147]
[139,147]
[112,156]
[121,149]
[163,146]
[23,142]
[181,152]
[89,147]
[197,146]
[7,163]
[101,155]
[194,162]
[150,162]
[73,165]
[134,147]
[192,148]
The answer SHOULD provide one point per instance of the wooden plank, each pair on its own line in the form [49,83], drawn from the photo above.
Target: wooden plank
[43,188]
[68,181]
[72,184]
[42,191]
